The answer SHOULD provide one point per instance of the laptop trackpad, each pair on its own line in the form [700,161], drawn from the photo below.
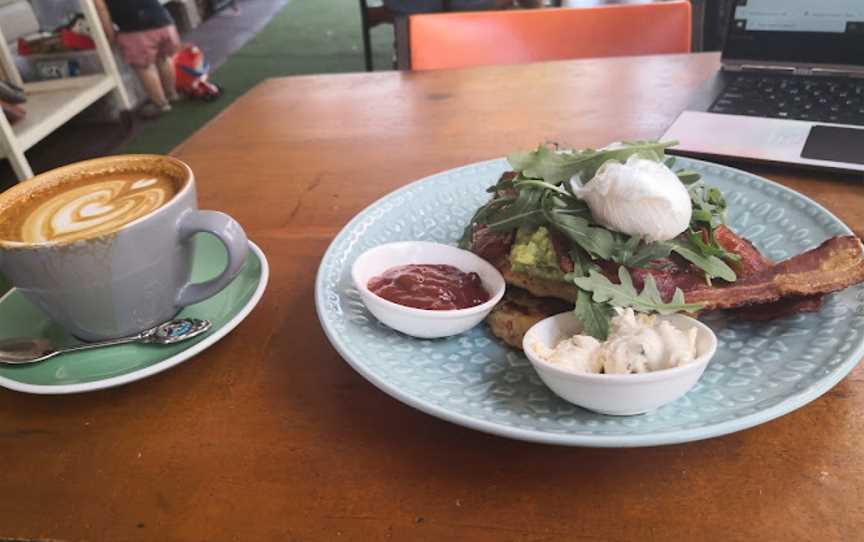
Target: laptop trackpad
[835,144]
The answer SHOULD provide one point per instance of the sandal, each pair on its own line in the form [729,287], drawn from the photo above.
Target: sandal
[152,110]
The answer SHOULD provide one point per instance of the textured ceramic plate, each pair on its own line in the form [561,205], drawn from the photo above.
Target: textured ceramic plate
[760,372]
[108,367]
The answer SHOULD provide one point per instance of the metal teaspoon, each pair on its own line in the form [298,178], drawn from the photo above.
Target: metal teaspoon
[21,351]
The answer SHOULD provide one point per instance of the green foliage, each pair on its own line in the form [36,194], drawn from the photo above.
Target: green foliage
[625,294]
[703,257]
[554,166]
[594,317]
[540,194]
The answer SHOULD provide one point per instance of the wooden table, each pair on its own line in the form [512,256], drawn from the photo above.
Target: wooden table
[270,435]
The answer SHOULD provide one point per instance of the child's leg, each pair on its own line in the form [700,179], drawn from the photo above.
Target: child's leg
[168,77]
[152,84]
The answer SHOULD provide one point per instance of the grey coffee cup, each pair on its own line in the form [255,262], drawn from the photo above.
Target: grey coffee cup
[129,280]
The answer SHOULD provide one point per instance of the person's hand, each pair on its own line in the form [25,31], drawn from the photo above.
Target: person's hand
[111,34]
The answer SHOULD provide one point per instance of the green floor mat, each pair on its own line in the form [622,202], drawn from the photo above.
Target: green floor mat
[306,37]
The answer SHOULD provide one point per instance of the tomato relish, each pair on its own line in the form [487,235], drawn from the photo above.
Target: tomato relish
[429,286]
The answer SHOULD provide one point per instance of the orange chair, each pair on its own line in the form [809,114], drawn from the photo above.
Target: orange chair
[458,40]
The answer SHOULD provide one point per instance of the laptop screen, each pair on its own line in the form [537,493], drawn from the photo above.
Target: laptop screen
[799,31]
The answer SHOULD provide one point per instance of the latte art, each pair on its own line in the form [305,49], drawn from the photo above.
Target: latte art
[89,199]
[95,208]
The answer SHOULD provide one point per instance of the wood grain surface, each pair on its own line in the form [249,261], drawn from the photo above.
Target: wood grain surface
[270,435]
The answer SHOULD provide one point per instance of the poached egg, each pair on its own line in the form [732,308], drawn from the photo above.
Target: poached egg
[638,197]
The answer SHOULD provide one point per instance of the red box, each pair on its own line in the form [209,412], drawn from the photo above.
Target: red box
[75,41]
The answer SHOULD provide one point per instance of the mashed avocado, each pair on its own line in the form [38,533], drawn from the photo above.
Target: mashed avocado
[534,254]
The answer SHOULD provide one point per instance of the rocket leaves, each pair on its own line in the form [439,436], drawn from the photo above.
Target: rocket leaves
[481,216]
[554,166]
[713,266]
[596,241]
[594,317]
[523,210]
[539,193]
[538,203]
[625,294]
[709,205]
[643,253]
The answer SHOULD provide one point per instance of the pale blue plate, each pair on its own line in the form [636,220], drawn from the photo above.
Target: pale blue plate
[760,372]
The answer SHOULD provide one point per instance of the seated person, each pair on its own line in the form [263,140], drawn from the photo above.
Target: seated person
[148,39]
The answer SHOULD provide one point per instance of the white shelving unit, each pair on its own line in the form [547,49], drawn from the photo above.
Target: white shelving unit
[50,104]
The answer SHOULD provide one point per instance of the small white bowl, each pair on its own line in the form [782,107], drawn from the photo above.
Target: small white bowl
[617,394]
[421,323]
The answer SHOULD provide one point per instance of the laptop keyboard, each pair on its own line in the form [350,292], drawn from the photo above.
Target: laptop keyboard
[819,99]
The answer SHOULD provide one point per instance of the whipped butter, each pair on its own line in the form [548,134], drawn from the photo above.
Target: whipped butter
[638,343]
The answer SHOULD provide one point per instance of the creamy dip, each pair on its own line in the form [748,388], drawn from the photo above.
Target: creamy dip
[638,343]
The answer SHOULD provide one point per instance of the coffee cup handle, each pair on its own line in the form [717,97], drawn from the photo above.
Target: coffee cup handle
[227,230]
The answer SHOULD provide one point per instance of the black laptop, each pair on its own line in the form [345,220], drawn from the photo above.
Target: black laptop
[791,87]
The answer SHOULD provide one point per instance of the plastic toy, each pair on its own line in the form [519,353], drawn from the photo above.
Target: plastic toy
[192,71]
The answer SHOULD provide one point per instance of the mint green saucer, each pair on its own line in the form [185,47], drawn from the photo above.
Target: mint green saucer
[113,366]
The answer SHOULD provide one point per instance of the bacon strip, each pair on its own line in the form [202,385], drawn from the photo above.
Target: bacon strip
[562,247]
[835,264]
[763,291]
[671,274]
[491,246]
[752,262]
